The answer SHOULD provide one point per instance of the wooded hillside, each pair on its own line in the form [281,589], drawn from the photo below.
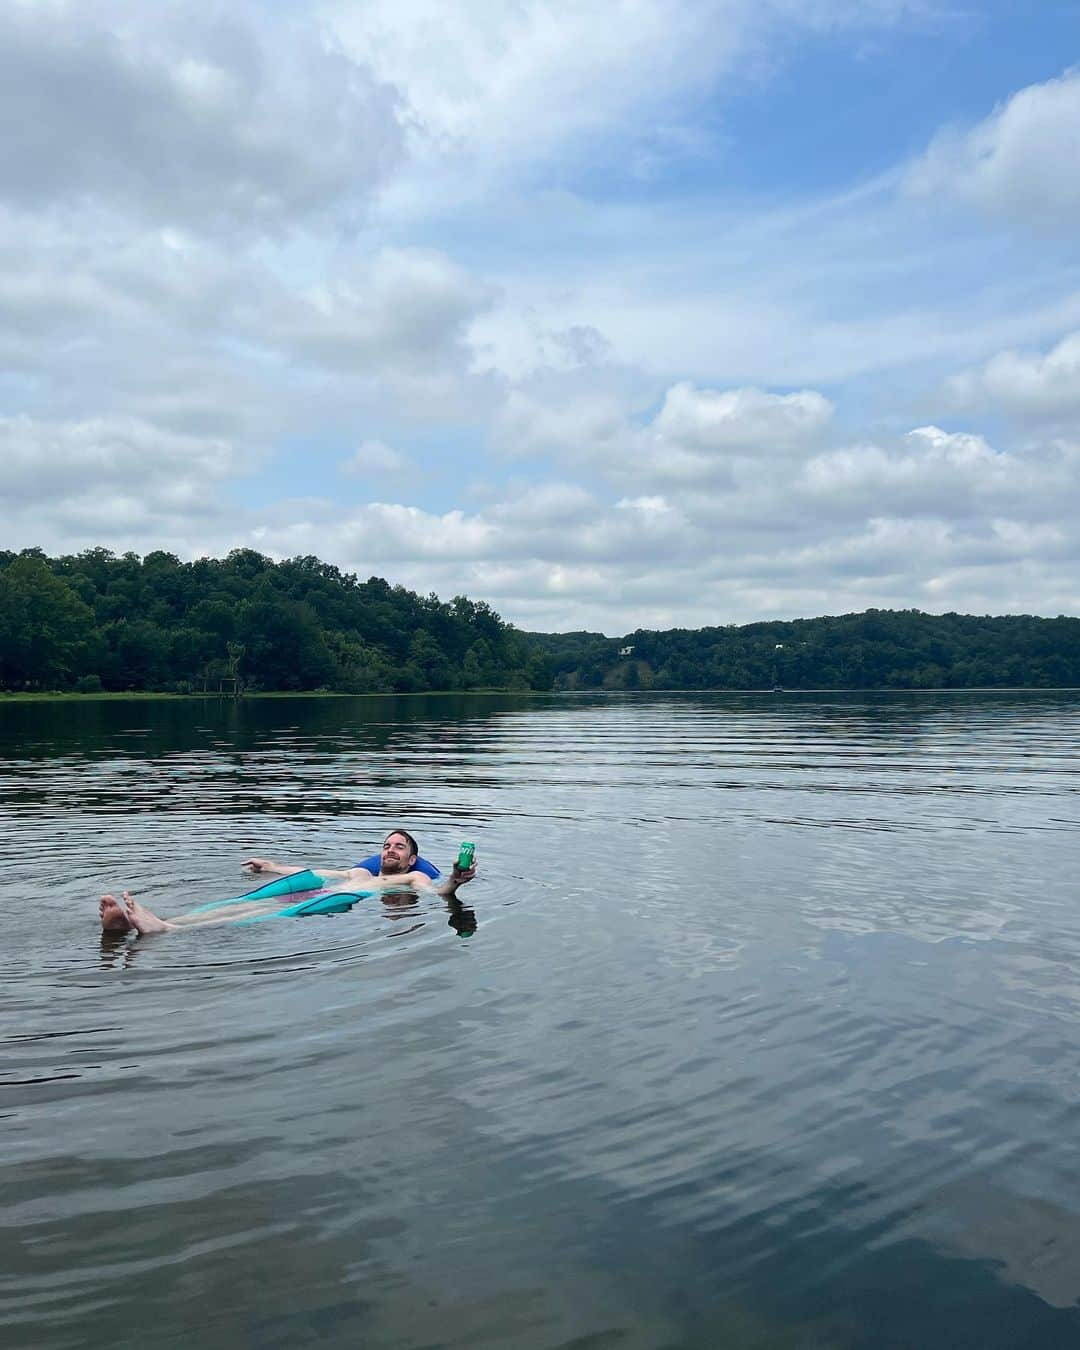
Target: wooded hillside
[878,649]
[93,620]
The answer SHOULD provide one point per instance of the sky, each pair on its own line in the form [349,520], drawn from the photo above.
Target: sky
[611,313]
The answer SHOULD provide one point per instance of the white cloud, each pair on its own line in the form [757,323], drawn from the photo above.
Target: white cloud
[647,506]
[548,505]
[372,535]
[215,247]
[1019,163]
[403,309]
[548,530]
[491,78]
[44,461]
[70,485]
[1017,540]
[1027,385]
[552,555]
[141,323]
[375,458]
[193,335]
[510,86]
[884,546]
[698,435]
[587,425]
[235,120]
[952,476]
[741,420]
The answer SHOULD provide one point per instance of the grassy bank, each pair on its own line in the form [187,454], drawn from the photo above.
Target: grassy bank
[102,696]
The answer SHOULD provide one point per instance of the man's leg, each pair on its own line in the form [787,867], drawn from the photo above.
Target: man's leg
[121,916]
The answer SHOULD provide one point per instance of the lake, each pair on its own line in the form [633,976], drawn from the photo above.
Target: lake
[758,1027]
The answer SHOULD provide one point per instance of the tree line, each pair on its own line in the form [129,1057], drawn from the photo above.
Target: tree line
[876,649]
[95,621]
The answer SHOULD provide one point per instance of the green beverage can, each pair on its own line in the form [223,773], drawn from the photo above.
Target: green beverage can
[465,856]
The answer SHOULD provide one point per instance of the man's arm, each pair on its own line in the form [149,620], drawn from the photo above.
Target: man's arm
[265,865]
[283,870]
[412,881]
[458,877]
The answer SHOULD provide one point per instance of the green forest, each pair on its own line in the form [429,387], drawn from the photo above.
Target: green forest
[95,621]
[877,649]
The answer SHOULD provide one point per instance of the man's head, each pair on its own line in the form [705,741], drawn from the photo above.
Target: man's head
[399,853]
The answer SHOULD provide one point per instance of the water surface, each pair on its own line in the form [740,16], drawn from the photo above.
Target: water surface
[758,1029]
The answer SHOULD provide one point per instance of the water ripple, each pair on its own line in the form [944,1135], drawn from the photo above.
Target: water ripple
[772,998]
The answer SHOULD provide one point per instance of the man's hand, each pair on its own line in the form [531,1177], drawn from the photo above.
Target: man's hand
[257,865]
[458,877]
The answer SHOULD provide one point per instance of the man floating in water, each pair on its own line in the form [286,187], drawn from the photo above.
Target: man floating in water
[397,871]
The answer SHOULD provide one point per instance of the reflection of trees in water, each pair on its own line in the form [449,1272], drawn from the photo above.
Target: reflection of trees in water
[398,729]
[145,728]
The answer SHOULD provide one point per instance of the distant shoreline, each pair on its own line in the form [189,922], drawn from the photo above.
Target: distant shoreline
[144,696]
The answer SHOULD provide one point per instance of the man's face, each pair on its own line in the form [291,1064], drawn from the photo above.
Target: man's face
[397,855]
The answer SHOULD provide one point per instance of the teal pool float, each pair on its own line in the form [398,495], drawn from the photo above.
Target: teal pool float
[301,884]
[339,902]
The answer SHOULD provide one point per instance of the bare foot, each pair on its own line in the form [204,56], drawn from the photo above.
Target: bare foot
[114,917]
[142,920]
